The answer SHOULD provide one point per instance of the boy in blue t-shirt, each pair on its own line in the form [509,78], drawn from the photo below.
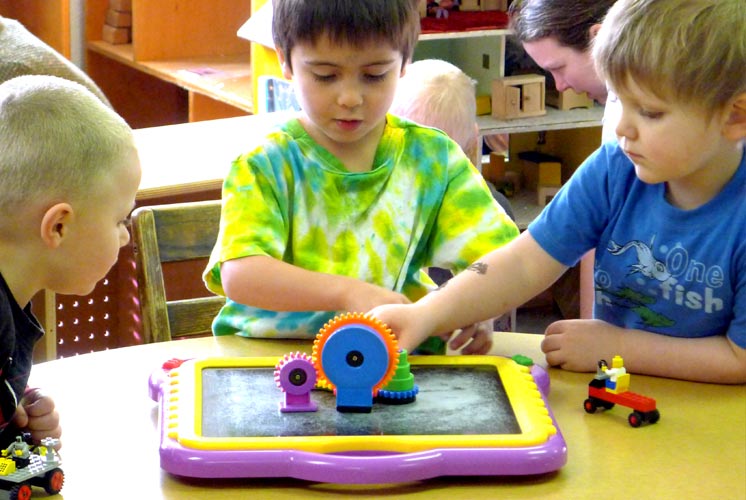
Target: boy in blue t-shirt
[663,209]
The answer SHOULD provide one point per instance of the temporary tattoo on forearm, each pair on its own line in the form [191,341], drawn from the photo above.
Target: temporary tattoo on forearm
[478,267]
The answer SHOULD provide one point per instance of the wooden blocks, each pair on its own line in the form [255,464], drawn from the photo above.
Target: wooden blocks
[470,5]
[568,99]
[543,173]
[118,19]
[484,105]
[518,96]
[545,193]
[494,5]
[121,5]
[117,29]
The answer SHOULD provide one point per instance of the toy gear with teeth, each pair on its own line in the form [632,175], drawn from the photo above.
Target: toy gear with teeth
[357,355]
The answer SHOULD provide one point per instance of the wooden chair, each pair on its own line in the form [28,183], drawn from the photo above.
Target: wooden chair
[173,233]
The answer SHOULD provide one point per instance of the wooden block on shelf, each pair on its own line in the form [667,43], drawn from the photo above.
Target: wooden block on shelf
[115,36]
[118,18]
[121,5]
[550,173]
[494,171]
[532,162]
[544,192]
[568,99]
[484,105]
[494,5]
[515,179]
[470,5]
[518,96]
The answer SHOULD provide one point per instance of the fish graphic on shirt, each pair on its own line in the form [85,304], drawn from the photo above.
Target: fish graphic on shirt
[647,264]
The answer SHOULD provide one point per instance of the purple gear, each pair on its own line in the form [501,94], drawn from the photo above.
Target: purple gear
[295,375]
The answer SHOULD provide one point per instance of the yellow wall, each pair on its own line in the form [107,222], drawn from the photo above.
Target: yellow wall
[263,59]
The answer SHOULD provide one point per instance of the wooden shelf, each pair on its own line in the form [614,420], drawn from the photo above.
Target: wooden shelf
[185,62]
[553,120]
[449,35]
[223,78]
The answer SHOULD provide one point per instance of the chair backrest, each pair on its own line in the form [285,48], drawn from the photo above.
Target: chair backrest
[173,233]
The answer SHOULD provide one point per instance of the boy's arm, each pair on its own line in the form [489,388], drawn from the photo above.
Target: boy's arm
[501,280]
[267,283]
[578,344]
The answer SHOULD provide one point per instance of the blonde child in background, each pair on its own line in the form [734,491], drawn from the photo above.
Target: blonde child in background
[661,207]
[438,94]
[343,207]
[69,173]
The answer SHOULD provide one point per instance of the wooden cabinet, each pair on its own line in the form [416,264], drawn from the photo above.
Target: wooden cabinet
[48,19]
[185,61]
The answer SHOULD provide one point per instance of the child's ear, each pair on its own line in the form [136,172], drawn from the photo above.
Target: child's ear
[287,72]
[55,224]
[593,31]
[735,127]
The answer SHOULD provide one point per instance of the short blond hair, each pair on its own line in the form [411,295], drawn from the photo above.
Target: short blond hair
[57,141]
[692,51]
[438,94]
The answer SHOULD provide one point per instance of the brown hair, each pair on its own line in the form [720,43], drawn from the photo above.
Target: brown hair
[569,21]
[352,21]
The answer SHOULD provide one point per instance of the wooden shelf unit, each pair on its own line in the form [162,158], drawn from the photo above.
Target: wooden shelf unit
[185,62]
[47,19]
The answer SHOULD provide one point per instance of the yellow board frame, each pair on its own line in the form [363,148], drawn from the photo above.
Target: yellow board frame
[183,413]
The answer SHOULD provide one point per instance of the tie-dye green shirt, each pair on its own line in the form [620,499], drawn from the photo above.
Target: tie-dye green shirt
[422,204]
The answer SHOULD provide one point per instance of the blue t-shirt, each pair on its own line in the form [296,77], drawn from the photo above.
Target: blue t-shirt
[658,268]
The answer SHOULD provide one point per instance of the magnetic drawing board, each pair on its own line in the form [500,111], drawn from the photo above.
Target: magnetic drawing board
[474,415]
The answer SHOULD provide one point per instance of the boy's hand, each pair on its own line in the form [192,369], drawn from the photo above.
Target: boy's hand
[410,328]
[578,344]
[36,414]
[477,338]
[366,296]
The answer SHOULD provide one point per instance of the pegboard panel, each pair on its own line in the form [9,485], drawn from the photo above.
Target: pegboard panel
[104,318]
[109,317]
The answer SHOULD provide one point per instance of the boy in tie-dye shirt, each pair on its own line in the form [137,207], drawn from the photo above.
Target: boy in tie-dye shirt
[343,207]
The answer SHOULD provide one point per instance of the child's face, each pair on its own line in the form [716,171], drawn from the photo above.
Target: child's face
[344,90]
[672,142]
[571,68]
[99,229]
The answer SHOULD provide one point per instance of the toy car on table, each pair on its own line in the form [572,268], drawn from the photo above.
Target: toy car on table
[610,387]
[23,465]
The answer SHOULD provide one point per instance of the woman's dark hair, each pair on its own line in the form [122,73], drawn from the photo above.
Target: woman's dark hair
[568,21]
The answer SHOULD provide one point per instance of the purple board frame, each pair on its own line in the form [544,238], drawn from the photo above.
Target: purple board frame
[359,467]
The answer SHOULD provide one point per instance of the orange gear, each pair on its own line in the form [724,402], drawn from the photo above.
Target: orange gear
[345,319]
